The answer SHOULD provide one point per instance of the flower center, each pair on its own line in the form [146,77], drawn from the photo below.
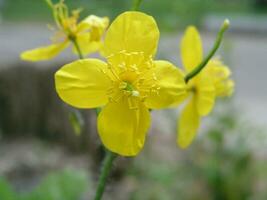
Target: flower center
[191,87]
[132,76]
[129,88]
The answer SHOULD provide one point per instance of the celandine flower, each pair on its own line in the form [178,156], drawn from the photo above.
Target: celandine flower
[87,34]
[127,85]
[213,81]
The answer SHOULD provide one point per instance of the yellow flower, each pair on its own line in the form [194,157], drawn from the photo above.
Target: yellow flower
[127,85]
[220,75]
[213,81]
[88,34]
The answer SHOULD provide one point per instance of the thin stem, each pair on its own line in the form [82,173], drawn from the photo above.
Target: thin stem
[50,4]
[136,4]
[106,167]
[75,43]
[217,43]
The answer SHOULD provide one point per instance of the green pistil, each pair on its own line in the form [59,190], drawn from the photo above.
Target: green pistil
[129,87]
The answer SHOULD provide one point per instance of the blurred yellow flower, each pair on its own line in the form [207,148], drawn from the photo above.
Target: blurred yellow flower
[213,81]
[127,85]
[87,34]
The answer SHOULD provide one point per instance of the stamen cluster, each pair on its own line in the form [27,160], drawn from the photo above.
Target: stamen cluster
[132,75]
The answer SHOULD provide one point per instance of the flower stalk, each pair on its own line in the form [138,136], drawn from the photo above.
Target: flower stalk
[136,4]
[106,167]
[78,49]
[217,43]
[49,3]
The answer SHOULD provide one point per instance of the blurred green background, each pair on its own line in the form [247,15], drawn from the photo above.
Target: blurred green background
[42,158]
[169,14]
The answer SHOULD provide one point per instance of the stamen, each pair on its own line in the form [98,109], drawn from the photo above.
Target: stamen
[134,77]
[113,72]
[133,103]
[123,85]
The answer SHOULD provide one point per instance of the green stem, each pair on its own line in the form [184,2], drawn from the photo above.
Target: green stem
[136,4]
[50,4]
[216,45]
[75,43]
[106,167]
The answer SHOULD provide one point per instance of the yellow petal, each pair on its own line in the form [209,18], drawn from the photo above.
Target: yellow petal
[220,74]
[44,53]
[206,94]
[83,83]
[225,88]
[93,21]
[188,124]
[123,130]
[191,48]
[132,32]
[171,84]
[86,45]
[217,69]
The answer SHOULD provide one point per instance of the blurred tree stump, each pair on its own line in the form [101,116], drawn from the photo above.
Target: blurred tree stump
[29,106]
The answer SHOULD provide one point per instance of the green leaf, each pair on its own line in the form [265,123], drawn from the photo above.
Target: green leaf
[6,192]
[66,185]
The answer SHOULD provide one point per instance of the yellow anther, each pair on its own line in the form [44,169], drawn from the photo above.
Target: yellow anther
[123,85]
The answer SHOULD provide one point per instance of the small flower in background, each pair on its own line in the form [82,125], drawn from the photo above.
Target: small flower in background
[92,42]
[213,81]
[220,75]
[127,86]
[87,34]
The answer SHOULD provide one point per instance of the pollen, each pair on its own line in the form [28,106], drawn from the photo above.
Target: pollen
[135,93]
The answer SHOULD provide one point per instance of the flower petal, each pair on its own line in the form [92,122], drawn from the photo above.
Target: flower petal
[220,74]
[90,33]
[86,45]
[188,124]
[191,48]
[83,83]
[123,130]
[217,68]
[44,53]
[206,93]
[225,88]
[132,32]
[93,21]
[172,87]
